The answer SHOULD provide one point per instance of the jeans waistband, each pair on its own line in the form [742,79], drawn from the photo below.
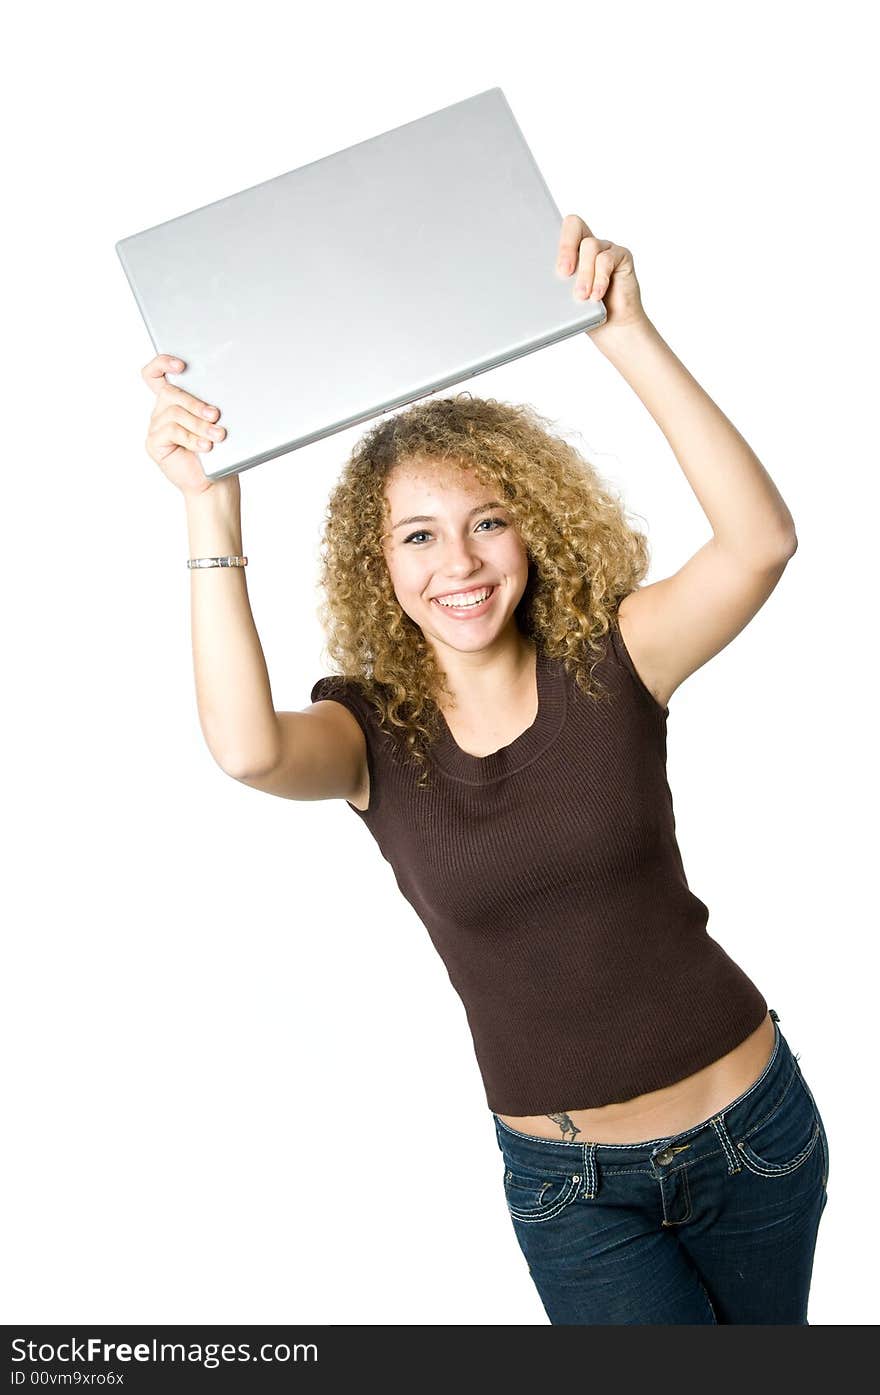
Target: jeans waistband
[709,1135]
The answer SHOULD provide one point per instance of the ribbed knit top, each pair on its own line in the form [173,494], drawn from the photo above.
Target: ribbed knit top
[549,878]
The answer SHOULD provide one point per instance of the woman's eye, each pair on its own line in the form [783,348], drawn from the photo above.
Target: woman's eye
[422,533]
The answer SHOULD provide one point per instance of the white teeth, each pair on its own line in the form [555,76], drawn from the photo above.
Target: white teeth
[461,602]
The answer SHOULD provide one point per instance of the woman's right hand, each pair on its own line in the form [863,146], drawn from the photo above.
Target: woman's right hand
[180,425]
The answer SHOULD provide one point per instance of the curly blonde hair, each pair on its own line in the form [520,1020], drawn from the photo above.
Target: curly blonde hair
[583,555]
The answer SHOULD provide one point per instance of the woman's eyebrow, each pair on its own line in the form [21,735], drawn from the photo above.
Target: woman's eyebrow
[429,518]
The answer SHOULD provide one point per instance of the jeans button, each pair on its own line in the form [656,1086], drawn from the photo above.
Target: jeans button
[666,1156]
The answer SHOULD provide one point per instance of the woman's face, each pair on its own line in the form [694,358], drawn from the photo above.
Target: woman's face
[450,537]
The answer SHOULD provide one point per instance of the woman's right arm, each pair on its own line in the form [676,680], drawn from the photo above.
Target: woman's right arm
[318,753]
[233,693]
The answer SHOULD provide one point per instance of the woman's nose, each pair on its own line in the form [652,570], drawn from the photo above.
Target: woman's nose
[461,557]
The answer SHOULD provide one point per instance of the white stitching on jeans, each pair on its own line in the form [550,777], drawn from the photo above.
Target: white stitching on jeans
[687,1195]
[770,1169]
[733,1163]
[571,1186]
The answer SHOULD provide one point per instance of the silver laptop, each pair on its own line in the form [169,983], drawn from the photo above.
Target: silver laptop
[388,271]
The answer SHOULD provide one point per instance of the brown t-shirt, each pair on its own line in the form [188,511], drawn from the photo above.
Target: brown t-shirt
[550,881]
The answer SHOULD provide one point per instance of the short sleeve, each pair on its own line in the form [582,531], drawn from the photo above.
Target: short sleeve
[625,658]
[334,688]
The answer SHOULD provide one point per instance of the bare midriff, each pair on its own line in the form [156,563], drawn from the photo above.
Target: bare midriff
[660,1113]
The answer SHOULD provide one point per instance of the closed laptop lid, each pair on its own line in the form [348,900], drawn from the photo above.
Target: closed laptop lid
[348,287]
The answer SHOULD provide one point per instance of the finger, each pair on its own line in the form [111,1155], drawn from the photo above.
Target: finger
[589,251]
[192,404]
[190,421]
[154,375]
[573,230]
[154,372]
[160,443]
[602,272]
[172,433]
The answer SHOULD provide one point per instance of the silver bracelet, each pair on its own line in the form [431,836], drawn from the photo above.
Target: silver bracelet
[217,561]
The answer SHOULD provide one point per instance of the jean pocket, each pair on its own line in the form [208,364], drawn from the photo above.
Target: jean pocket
[536,1196]
[784,1139]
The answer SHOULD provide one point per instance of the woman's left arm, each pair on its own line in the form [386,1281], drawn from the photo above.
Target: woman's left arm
[680,622]
[747,513]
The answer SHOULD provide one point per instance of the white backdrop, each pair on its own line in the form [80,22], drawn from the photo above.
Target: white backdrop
[238,1084]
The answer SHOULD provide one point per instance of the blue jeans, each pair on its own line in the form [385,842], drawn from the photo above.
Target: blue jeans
[717,1224]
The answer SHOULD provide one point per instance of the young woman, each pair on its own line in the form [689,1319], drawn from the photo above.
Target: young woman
[499,724]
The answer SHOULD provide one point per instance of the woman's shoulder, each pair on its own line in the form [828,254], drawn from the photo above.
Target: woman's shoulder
[362,698]
[351,692]
[619,648]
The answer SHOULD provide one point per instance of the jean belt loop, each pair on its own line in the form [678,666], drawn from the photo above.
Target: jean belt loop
[733,1162]
[590,1171]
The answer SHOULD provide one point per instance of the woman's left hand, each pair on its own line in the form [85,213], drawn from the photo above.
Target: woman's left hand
[604,270]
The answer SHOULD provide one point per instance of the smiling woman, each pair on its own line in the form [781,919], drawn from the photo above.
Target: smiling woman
[498,723]
[542,857]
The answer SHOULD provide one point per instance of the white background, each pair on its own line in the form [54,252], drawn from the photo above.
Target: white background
[238,1085]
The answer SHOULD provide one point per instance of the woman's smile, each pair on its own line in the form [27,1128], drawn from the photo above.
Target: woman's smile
[470,604]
